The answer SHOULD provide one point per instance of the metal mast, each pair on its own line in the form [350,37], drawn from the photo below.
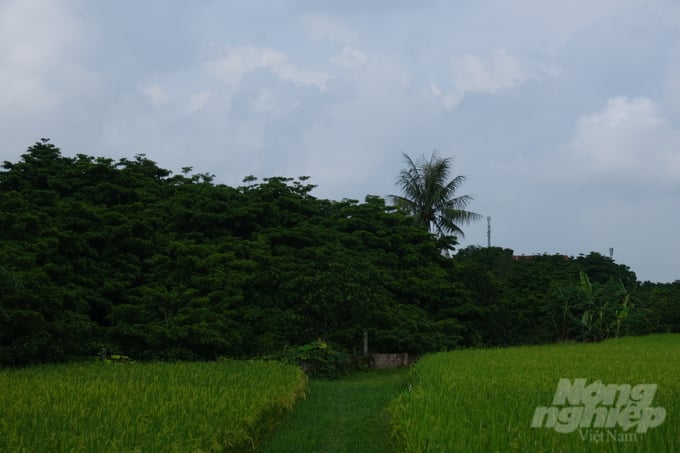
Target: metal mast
[488,231]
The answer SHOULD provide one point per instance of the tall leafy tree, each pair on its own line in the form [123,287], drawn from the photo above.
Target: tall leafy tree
[125,256]
[432,198]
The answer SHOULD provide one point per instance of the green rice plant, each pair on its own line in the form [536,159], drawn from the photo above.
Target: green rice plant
[145,407]
[486,400]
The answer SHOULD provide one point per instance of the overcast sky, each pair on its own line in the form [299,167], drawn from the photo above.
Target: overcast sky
[563,116]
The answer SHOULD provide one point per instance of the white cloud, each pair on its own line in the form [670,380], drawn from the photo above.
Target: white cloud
[373,121]
[324,27]
[198,101]
[472,74]
[155,94]
[671,94]
[448,100]
[628,142]
[242,60]
[349,58]
[293,74]
[264,102]
[36,39]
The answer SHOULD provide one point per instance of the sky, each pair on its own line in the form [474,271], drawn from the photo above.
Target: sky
[564,117]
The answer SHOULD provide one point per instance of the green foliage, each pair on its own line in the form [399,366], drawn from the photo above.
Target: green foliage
[117,358]
[321,360]
[433,200]
[591,311]
[543,298]
[124,255]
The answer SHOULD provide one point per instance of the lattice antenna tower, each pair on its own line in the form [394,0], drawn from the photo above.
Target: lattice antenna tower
[488,231]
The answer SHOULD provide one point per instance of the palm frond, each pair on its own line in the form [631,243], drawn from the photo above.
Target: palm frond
[429,195]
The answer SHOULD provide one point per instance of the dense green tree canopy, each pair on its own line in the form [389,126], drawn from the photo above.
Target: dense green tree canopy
[124,255]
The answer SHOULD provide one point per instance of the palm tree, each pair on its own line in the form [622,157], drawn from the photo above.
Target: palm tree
[431,197]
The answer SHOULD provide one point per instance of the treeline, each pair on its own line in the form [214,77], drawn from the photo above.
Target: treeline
[124,255]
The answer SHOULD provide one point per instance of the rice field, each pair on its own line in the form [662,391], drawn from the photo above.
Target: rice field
[488,400]
[152,407]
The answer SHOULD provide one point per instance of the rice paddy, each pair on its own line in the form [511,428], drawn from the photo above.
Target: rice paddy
[496,400]
[153,407]
[486,400]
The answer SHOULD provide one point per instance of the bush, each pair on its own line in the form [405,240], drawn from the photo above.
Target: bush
[319,359]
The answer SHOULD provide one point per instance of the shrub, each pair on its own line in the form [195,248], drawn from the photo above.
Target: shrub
[319,359]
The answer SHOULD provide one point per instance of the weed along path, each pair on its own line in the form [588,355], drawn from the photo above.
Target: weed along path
[344,415]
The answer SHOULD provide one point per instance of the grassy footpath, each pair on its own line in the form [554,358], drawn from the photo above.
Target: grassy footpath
[346,415]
